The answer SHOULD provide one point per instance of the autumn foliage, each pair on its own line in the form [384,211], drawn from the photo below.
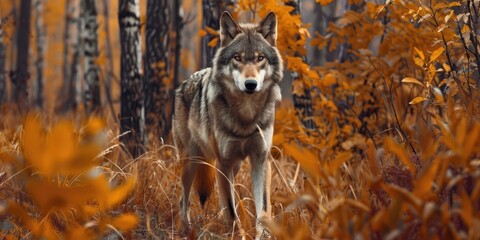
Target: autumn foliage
[394,153]
[58,189]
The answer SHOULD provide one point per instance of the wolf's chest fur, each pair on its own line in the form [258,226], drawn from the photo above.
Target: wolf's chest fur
[214,109]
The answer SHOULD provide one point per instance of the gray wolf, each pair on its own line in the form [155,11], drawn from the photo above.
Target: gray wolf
[225,114]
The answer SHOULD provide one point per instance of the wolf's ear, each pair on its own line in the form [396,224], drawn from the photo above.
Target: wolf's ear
[228,28]
[268,28]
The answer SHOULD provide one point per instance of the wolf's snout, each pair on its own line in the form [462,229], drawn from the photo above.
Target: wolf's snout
[250,85]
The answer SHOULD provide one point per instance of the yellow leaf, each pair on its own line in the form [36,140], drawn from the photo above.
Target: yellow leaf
[417,100]
[436,54]
[419,62]
[420,53]
[412,80]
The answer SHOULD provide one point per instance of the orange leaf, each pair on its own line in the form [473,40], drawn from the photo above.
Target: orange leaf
[329,80]
[125,222]
[211,31]
[423,185]
[402,193]
[120,193]
[213,43]
[324,2]
[400,152]
[338,161]
[32,139]
[202,33]
[307,159]
[412,80]
[417,100]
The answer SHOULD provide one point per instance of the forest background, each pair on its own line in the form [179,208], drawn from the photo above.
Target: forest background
[377,135]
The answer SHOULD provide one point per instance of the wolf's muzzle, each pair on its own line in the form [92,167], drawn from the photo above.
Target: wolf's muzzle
[250,85]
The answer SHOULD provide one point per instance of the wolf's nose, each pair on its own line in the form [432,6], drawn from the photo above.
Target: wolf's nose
[250,84]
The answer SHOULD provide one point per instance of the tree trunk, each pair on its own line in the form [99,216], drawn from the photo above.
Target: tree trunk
[131,83]
[3,74]
[12,48]
[74,76]
[90,51]
[320,27]
[66,48]
[40,34]
[20,77]
[157,88]
[212,10]
[68,94]
[302,103]
[108,54]
[178,25]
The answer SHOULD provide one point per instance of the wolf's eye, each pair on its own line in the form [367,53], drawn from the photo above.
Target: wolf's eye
[260,58]
[238,58]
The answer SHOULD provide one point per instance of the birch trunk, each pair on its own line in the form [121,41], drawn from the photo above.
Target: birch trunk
[66,48]
[131,84]
[108,54]
[90,51]
[302,103]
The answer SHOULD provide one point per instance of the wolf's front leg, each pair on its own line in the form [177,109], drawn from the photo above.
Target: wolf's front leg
[225,184]
[261,178]
[259,147]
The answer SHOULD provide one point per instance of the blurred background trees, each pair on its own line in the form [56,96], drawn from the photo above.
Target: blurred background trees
[380,112]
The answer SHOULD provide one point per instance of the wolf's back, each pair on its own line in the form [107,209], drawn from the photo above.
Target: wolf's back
[188,100]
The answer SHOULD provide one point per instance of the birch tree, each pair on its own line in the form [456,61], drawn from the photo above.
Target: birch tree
[90,51]
[20,76]
[131,83]
[302,103]
[74,73]
[157,68]
[66,57]
[108,54]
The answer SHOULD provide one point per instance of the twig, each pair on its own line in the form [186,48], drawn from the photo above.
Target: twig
[393,107]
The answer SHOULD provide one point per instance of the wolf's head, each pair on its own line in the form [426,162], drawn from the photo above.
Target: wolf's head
[248,59]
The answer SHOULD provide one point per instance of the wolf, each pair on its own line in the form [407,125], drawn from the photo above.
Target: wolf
[225,114]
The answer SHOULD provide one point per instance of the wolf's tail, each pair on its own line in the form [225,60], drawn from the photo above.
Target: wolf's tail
[205,180]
